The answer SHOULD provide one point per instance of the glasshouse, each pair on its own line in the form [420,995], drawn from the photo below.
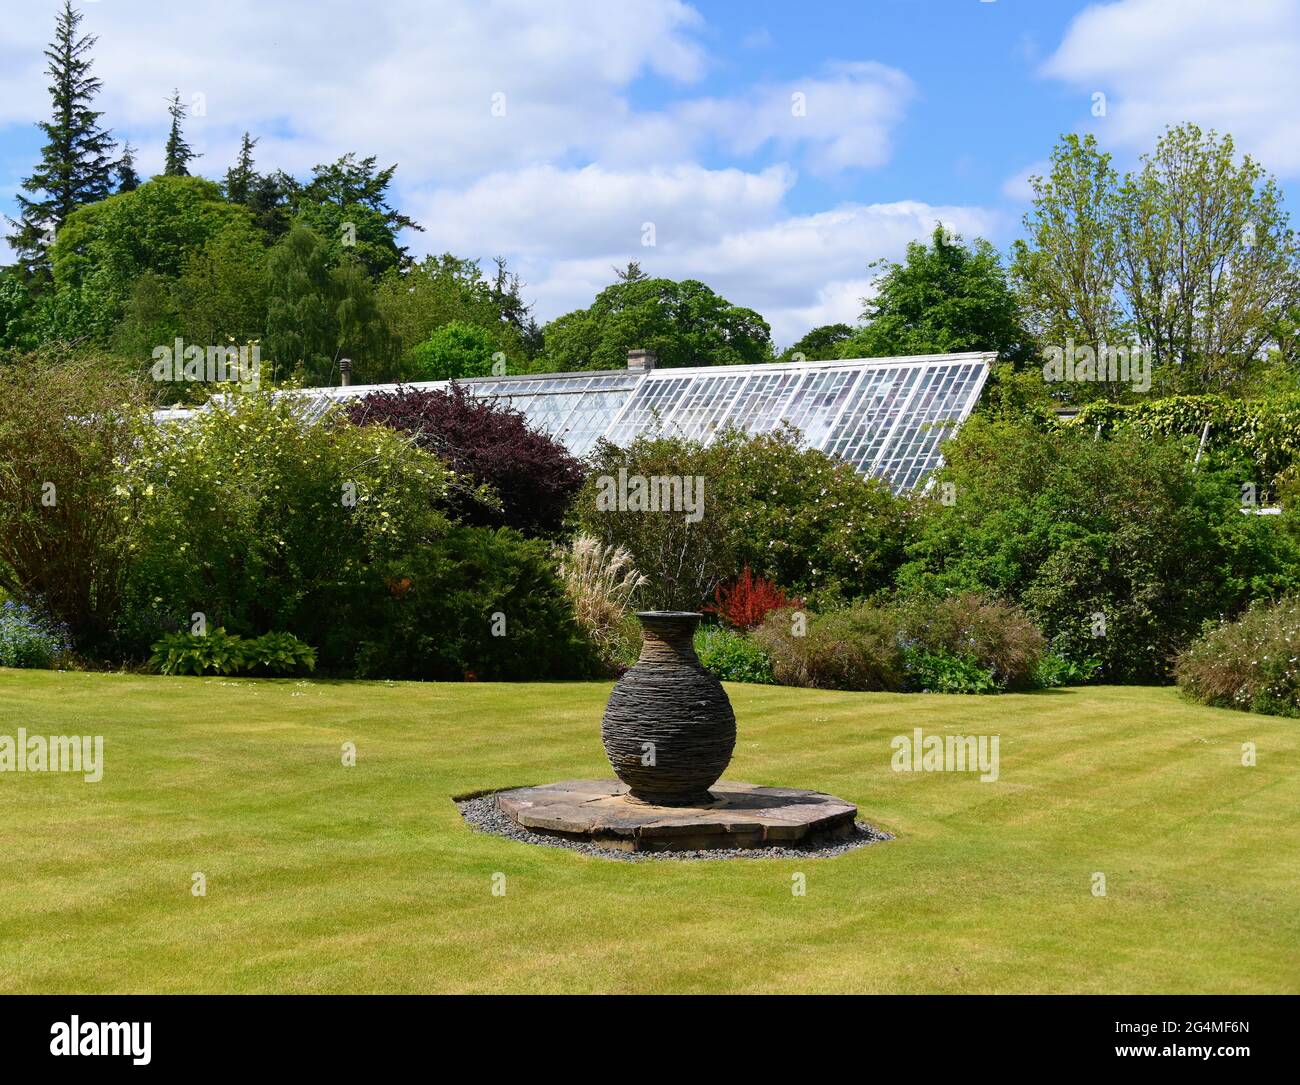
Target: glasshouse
[885,416]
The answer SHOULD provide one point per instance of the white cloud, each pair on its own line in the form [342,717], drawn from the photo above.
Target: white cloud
[1232,66]
[844,117]
[596,210]
[564,183]
[417,83]
[411,81]
[566,230]
[814,265]
[1016,187]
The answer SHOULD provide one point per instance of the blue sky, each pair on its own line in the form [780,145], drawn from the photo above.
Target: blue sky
[567,135]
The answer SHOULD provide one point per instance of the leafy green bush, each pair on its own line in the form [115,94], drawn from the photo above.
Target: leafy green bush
[1265,432]
[453,352]
[794,515]
[1054,670]
[67,530]
[278,654]
[219,652]
[731,656]
[1117,549]
[216,652]
[477,603]
[28,638]
[942,671]
[1251,664]
[970,642]
[854,648]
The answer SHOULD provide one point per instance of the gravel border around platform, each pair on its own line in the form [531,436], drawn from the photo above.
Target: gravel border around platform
[482,815]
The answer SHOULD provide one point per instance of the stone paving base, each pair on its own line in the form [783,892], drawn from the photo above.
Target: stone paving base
[741,816]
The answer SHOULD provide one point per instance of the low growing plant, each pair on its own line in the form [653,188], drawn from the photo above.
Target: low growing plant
[219,652]
[1054,670]
[967,643]
[215,652]
[29,638]
[732,657]
[276,654]
[942,671]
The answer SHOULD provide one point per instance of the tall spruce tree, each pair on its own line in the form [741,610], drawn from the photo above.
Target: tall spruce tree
[242,177]
[178,154]
[75,167]
[127,178]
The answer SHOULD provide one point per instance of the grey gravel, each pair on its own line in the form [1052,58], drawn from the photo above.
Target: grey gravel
[482,814]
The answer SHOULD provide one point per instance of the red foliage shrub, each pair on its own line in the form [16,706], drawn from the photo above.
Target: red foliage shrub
[533,474]
[747,602]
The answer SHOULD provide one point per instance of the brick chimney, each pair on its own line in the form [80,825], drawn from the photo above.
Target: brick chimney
[640,361]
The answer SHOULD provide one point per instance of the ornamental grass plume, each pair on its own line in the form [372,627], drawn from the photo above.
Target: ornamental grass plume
[601,582]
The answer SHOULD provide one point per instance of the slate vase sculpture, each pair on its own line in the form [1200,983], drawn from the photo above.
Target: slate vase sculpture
[669,730]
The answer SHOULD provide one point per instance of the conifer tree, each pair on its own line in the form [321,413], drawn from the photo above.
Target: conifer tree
[178,154]
[75,167]
[127,178]
[242,177]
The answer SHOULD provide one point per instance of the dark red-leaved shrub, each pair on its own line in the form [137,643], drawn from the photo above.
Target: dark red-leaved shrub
[534,476]
[746,603]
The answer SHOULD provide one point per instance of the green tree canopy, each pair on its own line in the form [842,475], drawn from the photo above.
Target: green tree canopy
[454,351]
[1192,256]
[821,343]
[178,154]
[317,314]
[346,203]
[416,301]
[242,177]
[221,293]
[945,297]
[128,180]
[684,323]
[103,248]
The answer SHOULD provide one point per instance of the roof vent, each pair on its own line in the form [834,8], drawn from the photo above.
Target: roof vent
[640,361]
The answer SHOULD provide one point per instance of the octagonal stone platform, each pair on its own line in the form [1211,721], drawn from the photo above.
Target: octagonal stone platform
[741,816]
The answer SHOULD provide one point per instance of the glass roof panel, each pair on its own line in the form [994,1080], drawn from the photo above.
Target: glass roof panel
[887,417]
[706,402]
[649,408]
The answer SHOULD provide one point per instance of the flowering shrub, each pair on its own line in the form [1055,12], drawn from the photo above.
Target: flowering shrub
[251,517]
[28,638]
[531,475]
[1251,664]
[747,603]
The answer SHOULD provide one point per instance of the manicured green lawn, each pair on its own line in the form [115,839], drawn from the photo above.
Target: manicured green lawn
[323,878]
